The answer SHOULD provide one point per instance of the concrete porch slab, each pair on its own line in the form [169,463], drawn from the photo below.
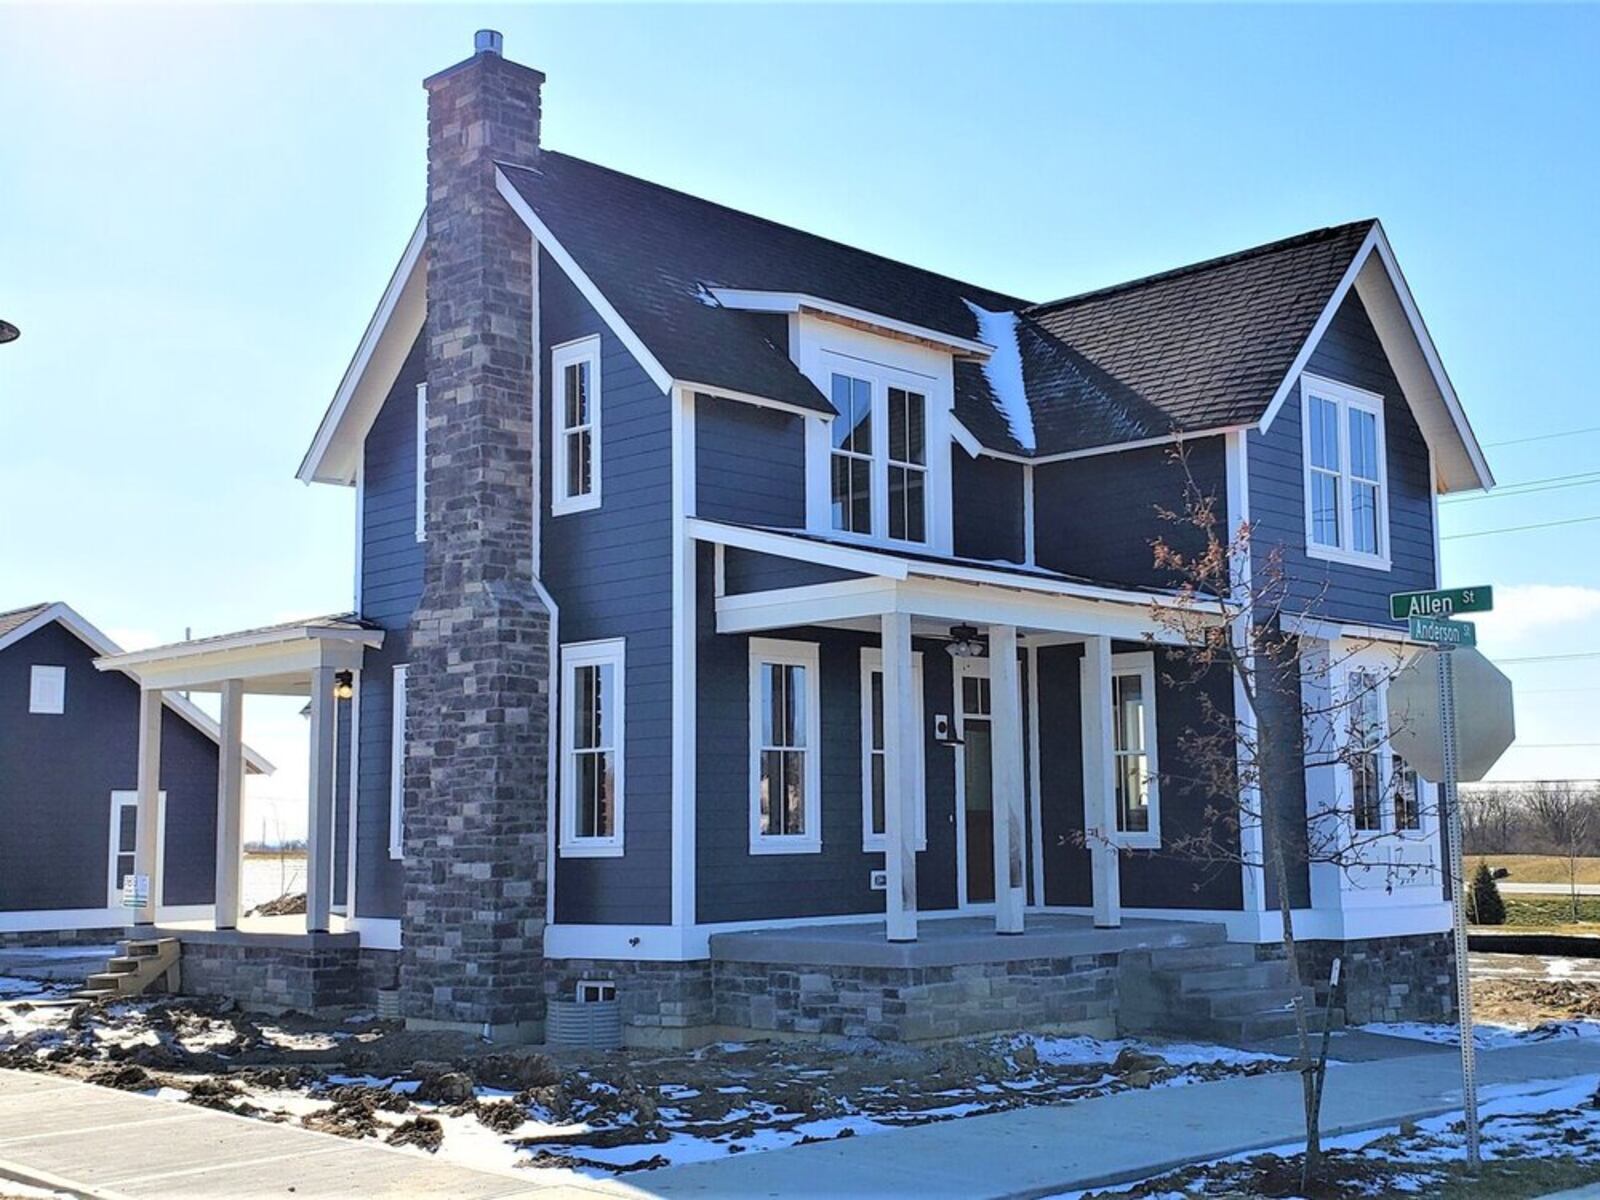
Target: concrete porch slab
[955,941]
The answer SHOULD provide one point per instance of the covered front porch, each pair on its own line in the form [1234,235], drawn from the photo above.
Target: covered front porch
[319,659]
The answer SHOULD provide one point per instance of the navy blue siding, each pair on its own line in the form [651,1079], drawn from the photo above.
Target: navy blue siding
[749,571]
[987,506]
[57,773]
[391,584]
[1349,352]
[609,570]
[1098,516]
[750,464]
[734,885]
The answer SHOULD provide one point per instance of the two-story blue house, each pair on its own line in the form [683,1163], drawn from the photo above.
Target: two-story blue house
[763,629]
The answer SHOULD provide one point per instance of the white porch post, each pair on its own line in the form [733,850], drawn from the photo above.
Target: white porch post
[230,802]
[147,828]
[900,742]
[1010,831]
[1099,782]
[319,830]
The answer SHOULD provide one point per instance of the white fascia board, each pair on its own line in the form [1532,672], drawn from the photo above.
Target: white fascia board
[358,398]
[962,436]
[1166,439]
[548,241]
[718,392]
[793,302]
[845,558]
[103,646]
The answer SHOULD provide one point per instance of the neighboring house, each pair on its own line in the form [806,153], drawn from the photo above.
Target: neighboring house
[68,779]
[714,578]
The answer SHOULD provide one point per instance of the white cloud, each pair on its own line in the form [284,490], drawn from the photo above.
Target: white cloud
[1523,610]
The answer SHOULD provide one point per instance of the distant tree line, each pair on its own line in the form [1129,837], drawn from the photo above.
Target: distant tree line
[287,846]
[1560,817]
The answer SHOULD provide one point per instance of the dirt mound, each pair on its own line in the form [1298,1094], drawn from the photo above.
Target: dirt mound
[290,905]
[423,1132]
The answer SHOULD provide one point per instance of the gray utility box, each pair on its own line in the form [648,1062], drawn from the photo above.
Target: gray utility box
[584,1025]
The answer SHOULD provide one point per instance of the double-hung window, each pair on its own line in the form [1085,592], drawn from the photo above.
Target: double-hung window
[874,781]
[1133,746]
[592,696]
[575,443]
[397,762]
[785,744]
[878,467]
[1346,481]
[1386,795]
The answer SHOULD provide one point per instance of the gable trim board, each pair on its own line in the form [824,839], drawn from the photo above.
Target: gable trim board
[102,645]
[745,300]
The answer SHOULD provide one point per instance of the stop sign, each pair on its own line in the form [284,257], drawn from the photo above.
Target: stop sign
[1485,724]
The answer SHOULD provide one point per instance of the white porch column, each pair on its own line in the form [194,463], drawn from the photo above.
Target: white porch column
[1099,782]
[230,802]
[1010,831]
[319,829]
[900,743]
[147,829]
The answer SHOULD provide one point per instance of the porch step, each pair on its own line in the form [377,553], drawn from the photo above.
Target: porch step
[1218,992]
[143,965]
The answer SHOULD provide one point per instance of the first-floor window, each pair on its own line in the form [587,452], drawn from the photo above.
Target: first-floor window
[785,800]
[874,782]
[1366,740]
[1407,796]
[592,695]
[1133,744]
[397,762]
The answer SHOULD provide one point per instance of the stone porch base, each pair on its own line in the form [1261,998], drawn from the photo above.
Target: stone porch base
[1384,979]
[278,972]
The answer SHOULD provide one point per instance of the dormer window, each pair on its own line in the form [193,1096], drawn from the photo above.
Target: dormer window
[575,447]
[1347,511]
[879,465]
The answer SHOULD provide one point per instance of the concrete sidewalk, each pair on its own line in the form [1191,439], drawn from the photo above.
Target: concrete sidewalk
[1034,1152]
[119,1146]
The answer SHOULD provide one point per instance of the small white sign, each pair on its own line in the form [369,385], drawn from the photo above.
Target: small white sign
[135,891]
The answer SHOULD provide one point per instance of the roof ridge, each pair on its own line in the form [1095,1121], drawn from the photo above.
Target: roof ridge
[776,224]
[27,608]
[1308,237]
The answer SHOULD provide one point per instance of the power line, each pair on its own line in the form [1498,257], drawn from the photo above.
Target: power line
[1529,487]
[1539,658]
[1451,537]
[1542,437]
[1552,745]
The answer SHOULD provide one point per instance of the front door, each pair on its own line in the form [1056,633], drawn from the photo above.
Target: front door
[975,781]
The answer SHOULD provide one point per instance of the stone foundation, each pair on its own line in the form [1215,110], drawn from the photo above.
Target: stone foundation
[663,1003]
[306,973]
[1384,979]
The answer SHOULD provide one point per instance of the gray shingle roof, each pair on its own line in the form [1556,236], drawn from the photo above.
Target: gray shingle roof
[1201,347]
[18,617]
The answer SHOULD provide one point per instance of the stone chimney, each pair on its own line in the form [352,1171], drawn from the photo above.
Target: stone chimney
[477,704]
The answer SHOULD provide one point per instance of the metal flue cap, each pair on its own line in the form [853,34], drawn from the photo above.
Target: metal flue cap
[488,41]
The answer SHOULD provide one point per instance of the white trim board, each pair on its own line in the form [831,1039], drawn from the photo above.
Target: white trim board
[103,646]
[745,300]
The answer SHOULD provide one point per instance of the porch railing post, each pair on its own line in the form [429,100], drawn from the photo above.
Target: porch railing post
[319,830]
[230,800]
[1010,830]
[147,826]
[1099,782]
[900,742]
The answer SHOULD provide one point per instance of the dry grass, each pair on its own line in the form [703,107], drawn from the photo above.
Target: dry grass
[1538,868]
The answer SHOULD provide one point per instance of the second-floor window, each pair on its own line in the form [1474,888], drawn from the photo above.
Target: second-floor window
[878,473]
[1346,483]
[575,427]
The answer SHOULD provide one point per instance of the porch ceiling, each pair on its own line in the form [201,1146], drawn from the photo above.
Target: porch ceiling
[273,660]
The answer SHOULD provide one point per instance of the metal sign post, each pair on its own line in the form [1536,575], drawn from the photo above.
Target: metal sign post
[1458,889]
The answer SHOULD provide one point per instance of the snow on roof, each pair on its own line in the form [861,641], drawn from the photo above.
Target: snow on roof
[1003,370]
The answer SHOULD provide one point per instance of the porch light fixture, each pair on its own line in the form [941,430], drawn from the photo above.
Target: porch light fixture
[964,642]
[343,685]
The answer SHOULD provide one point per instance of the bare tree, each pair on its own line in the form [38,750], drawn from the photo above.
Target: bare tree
[1234,616]
[1563,813]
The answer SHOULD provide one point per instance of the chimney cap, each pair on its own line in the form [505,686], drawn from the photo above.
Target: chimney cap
[488,41]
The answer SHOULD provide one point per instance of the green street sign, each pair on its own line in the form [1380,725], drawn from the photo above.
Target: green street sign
[1443,633]
[1445,602]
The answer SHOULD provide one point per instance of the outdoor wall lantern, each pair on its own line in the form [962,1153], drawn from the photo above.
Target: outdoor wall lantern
[964,642]
[343,685]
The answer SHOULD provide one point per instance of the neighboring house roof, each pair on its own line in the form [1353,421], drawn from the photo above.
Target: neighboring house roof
[1205,348]
[21,622]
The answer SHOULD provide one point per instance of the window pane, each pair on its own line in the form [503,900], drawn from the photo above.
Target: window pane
[852,429]
[1364,517]
[1128,701]
[127,827]
[906,504]
[1324,433]
[907,431]
[1133,794]
[596,792]
[1363,444]
[124,869]
[877,710]
[795,690]
[577,395]
[783,798]
[878,825]
[1324,509]
[852,493]
[771,702]
[578,463]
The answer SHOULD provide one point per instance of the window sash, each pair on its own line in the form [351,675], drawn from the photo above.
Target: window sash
[575,426]
[593,708]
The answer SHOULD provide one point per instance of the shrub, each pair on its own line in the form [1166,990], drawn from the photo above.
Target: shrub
[1484,905]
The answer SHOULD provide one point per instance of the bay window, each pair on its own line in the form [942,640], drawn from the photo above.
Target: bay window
[1346,481]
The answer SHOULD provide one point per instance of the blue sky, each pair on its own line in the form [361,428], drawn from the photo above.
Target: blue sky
[200,207]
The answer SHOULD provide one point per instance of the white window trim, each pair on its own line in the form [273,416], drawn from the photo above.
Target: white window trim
[397,761]
[587,654]
[872,663]
[583,350]
[1345,397]
[1143,664]
[1427,808]
[799,654]
[936,435]
[130,799]
[47,690]
[422,462]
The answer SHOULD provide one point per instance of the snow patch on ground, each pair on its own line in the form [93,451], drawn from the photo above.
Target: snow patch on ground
[1003,370]
[1486,1036]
